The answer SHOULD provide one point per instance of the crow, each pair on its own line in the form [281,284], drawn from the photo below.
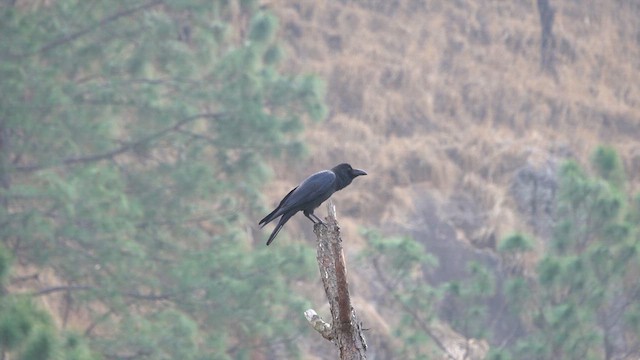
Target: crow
[312,192]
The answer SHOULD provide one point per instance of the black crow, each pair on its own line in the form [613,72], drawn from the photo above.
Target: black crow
[312,192]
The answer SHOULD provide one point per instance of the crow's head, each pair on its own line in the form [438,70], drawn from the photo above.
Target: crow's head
[345,174]
[346,169]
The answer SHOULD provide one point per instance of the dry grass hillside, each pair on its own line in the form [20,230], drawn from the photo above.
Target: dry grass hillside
[447,106]
[450,98]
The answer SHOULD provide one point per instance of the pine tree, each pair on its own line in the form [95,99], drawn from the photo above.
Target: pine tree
[583,298]
[133,140]
[27,331]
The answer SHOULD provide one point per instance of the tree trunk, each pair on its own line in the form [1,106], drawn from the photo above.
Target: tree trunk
[346,331]
[547,41]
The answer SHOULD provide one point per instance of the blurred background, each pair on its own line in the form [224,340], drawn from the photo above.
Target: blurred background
[141,141]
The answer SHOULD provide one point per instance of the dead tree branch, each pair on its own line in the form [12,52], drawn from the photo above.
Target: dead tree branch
[346,331]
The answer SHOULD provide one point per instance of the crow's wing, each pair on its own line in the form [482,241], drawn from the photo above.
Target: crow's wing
[315,189]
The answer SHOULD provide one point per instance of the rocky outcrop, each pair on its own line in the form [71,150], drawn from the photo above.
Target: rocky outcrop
[534,191]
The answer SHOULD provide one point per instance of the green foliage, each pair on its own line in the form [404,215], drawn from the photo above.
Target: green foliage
[608,166]
[518,293]
[28,332]
[75,347]
[40,345]
[17,318]
[262,28]
[5,263]
[515,243]
[583,295]
[401,265]
[467,300]
[139,133]
[582,301]
[498,354]
[402,253]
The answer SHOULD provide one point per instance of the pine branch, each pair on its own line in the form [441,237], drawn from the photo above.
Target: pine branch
[129,294]
[54,289]
[422,323]
[89,29]
[120,150]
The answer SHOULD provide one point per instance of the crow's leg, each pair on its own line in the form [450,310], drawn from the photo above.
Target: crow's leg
[311,216]
[308,215]
[317,218]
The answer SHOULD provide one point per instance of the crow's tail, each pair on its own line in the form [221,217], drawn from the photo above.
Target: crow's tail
[267,219]
[281,223]
[279,210]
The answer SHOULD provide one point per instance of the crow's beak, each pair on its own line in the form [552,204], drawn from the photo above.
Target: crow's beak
[358,172]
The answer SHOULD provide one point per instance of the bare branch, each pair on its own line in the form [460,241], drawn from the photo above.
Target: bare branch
[130,294]
[88,331]
[53,289]
[122,149]
[422,323]
[89,29]
[148,297]
[19,279]
[321,326]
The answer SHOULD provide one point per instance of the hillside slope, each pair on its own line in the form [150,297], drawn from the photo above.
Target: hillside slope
[448,107]
[451,98]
